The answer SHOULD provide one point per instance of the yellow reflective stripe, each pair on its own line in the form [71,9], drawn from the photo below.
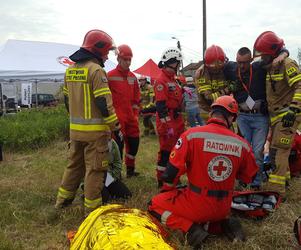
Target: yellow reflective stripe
[65,193]
[65,91]
[110,118]
[297,98]
[85,101]
[277,117]
[89,127]
[294,79]
[277,179]
[92,203]
[103,93]
[89,102]
[288,175]
[214,96]
[101,90]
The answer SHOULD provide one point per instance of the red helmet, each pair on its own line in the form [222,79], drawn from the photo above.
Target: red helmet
[227,102]
[214,57]
[268,43]
[98,43]
[125,52]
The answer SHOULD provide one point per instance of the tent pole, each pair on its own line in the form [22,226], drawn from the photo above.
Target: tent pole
[36,93]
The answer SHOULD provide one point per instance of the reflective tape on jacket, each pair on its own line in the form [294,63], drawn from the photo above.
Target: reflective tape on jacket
[102,91]
[84,127]
[165,216]
[110,119]
[223,138]
[87,101]
[129,79]
[294,79]
[65,91]
[277,179]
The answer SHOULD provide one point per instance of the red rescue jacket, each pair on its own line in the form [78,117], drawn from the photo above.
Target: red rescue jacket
[169,93]
[213,156]
[125,93]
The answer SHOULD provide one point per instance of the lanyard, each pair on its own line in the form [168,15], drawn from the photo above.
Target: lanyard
[250,79]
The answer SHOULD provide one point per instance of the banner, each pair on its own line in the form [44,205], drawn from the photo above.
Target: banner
[26,91]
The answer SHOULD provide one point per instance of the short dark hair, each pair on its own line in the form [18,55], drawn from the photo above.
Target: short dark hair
[244,51]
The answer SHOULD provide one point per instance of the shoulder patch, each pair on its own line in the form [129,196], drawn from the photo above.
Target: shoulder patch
[159,87]
[179,143]
[104,79]
[172,154]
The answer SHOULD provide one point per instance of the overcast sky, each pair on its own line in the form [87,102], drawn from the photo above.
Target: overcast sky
[147,26]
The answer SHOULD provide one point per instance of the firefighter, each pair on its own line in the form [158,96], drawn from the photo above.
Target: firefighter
[147,102]
[283,90]
[210,80]
[92,116]
[168,95]
[126,98]
[212,156]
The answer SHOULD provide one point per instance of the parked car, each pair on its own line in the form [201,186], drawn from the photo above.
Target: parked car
[44,99]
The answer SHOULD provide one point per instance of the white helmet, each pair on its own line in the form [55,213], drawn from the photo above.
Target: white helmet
[171,53]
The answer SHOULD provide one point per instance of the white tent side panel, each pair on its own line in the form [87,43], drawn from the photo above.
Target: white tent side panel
[30,60]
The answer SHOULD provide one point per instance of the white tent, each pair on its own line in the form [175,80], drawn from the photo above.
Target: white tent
[42,61]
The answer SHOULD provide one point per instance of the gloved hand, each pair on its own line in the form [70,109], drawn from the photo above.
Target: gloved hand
[170,132]
[288,119]
[234,86]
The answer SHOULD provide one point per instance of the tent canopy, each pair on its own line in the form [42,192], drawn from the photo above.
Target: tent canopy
[30,60]
[149,69]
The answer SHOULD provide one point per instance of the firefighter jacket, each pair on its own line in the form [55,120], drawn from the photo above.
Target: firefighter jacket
[210,87]
[84,82]
[147,96]
[213,156]
[126,94]
[168,95]
[283,87]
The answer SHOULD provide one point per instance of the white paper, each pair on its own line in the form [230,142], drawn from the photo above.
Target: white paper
[250,102]
[109,179]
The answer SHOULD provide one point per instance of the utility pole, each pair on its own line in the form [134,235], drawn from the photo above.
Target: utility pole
[204,28]
[180,48]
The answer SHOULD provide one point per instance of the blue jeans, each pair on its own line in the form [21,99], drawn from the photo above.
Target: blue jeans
[254,128]
[193,115]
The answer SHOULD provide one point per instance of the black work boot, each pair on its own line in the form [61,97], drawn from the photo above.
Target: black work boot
[130,172]
[196,235]
[233,229]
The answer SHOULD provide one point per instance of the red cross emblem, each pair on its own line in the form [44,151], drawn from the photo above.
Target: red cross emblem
[219,168]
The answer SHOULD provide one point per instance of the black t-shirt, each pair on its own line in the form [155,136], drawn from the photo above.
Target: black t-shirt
[257,86]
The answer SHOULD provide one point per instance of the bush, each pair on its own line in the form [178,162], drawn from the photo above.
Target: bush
[33,128]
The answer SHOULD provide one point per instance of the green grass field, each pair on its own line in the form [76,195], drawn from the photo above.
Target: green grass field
[28,187]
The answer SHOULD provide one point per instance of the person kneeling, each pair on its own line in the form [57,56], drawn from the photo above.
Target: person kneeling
[212,156]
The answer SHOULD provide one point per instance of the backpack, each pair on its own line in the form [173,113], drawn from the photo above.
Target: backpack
[297,230]
[255,204]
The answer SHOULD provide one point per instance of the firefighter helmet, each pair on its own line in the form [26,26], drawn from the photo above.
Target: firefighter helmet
[215,57]
[125,52]
[98,43]
[227,102]
[268,43]
[171,53]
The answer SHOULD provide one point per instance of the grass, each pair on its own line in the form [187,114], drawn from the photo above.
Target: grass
[28,187]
